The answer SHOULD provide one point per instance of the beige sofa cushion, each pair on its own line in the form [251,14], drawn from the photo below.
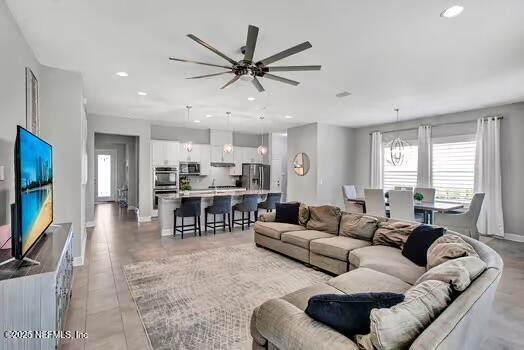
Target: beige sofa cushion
[397,327]
[393,233]
[448,247]
[363,280]
[458,272]
[275,229]
[336,247]
[267,217]
[303,214]
[358,226]
[303,238]
[288,327]
[324,218]
[301,297]
[388,260]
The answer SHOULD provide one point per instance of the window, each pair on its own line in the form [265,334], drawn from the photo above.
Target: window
[453,167]
[406,173]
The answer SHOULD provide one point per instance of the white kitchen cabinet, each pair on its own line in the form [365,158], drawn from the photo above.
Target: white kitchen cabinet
[238,158]
[193,156]
[164,153]
[218,155]
[251,155]
[205,159]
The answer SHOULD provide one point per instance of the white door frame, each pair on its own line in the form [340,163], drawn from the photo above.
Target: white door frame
[113,154]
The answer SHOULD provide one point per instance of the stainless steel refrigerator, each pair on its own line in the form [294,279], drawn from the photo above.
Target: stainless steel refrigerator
[256,176]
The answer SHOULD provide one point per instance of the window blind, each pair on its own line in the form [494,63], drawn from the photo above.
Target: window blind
[406,173]
[453,168]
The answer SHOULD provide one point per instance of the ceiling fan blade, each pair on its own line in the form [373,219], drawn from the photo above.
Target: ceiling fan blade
[209,47]
[257,84]
[291,68]
[283,54]
[202,63]
[210,75]
[251,42]
[280,79]
[231,81]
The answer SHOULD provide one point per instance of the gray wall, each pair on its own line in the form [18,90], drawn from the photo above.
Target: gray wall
[172,133]
[129,127]
[302,188]
[62,110]
[512,144]
[15,56]
[336,149]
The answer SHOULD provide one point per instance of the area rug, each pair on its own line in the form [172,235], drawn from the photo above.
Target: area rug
[205,300]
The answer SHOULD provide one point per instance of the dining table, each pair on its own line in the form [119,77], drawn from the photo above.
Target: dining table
[428,207]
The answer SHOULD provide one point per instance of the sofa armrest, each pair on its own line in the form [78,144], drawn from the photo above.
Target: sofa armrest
[267,217]
[289,328]
[452,220]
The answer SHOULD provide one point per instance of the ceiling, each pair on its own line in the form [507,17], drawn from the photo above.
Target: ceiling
[386,53]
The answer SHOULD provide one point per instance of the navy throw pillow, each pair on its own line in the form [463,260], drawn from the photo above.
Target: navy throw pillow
[419,241]
[287,213]
[349,313]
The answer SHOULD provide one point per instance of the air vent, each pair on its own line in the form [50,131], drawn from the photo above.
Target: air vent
[343,94]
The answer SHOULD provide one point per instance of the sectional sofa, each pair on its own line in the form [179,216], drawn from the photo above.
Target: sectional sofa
[363,265]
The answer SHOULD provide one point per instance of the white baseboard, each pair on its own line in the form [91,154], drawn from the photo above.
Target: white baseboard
[513,237]
[79,260]
[90,224]
[167,232]
[144,218]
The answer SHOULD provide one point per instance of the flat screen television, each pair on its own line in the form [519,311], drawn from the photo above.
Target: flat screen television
[34,191]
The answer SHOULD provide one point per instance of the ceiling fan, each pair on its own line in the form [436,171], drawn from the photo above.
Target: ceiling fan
[247,68]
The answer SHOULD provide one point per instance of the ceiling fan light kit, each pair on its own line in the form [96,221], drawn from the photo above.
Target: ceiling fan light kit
[249,70]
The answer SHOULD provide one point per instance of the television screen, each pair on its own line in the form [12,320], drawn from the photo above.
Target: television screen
[34,187]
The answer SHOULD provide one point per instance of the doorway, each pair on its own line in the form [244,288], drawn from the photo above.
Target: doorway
[105,175]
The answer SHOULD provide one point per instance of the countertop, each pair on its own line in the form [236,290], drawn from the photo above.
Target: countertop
[211,193]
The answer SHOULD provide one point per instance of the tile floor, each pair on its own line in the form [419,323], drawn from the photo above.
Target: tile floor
[102,305]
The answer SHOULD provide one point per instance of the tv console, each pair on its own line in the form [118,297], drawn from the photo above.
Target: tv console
[35,297]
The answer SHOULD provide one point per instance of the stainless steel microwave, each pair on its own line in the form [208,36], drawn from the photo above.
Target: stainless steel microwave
[189,168]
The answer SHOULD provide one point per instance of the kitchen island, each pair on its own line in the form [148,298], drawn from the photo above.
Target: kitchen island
[167,203]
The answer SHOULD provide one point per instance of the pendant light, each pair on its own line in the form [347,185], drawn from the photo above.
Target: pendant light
[228,148]
[397,153]
[188,146]
[262,150]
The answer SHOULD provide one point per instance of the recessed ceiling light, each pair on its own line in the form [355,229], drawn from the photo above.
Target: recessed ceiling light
[208,115]
[197,121]
[142,93]
[288,116]
[122,74]
[251,98]
[452,11]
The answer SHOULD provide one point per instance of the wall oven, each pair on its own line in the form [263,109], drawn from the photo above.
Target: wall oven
[165,181]
[189,168]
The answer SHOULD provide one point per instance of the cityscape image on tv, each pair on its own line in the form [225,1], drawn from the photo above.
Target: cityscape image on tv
[36,188]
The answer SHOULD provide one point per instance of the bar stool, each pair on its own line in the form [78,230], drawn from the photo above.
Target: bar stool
[221,205]
[249,204]
[271,200]
[190,207]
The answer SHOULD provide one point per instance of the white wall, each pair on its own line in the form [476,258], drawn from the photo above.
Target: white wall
[15,55]
[278,154]
[62,111]
[512,144]
[129,127]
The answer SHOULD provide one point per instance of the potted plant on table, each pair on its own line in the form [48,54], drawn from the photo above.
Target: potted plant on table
[418,197]
[185,186]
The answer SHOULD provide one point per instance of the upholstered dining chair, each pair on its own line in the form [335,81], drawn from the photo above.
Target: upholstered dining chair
[428,193]
[375,202]
[349,194]
[404,188]
[401,205]
[465,223]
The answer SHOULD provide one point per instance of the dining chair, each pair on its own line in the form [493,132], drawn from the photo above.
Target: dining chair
[404,188]
[465,223]
[349,193]
[401,205]
[428,193]
[375,203]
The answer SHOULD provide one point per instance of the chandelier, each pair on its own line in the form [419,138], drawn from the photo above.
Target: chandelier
[188,146]
[228,148]
[397,153]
